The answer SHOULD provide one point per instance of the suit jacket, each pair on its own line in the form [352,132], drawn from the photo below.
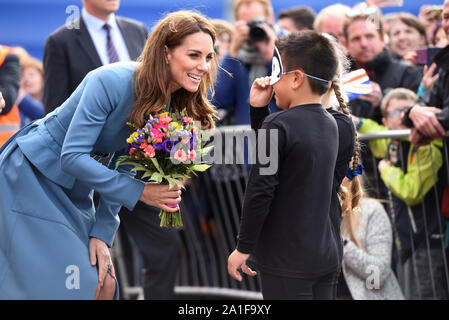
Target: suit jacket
[69,54]
[9,81]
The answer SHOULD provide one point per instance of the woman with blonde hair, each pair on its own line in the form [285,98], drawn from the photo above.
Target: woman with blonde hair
[53,242]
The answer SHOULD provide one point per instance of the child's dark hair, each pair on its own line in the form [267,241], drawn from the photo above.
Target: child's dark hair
[312,53]
[318,56]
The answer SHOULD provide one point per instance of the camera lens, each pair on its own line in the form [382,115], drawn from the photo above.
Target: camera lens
[257,34]
[256,31]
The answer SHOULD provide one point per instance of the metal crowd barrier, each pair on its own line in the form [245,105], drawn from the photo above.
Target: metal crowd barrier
[211,214]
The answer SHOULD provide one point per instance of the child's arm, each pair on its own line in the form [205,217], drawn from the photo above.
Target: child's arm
[257,116]
[378,147]
[259,98]
[259,194]
[260,191]
[423,164]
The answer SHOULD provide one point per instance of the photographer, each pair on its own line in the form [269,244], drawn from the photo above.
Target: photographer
[249,57]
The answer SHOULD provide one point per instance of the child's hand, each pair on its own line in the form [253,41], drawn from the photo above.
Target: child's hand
[383,164]
[236,261]
[261,92]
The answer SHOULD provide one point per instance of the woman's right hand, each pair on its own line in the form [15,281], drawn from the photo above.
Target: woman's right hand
[261,92]
[160,195]
[428,79]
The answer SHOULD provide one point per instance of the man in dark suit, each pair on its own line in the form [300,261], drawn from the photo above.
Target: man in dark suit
[69,54]
[71,51]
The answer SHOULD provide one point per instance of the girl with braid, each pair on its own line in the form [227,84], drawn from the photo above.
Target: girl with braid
[289,230]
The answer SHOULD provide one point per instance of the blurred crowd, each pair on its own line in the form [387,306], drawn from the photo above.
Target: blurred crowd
[401,226]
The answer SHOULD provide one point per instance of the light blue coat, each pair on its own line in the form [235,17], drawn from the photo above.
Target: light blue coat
[47,178]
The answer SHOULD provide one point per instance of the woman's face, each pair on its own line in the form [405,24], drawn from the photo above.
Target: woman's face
[32,82]
[404,38]
[190,62]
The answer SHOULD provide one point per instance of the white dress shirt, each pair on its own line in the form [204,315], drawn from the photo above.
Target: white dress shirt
[98,35]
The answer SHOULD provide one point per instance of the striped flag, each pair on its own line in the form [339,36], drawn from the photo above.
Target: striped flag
[356,83]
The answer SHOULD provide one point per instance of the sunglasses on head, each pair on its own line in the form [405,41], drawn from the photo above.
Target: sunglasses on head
[277,70]
[365,11]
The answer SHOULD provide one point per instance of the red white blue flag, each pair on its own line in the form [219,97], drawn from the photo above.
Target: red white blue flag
[356,83]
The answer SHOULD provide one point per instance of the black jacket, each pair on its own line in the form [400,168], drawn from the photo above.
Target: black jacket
[439,95]
[389,74]
[69,54]
[286,224]
[9,81]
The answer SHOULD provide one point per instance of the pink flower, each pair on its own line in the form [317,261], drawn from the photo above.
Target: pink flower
[185,140]
[187,119]
[180,155]
[165,119]
[157,135]
[160,125]
[149,151]
[192,155]
[143,145]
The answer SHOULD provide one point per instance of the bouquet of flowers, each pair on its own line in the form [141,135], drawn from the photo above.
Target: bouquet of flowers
[167,150]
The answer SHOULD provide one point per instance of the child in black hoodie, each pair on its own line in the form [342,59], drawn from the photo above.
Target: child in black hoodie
[286,231]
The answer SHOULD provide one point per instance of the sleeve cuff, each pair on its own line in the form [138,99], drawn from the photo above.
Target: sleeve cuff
[244,247]
[257,115]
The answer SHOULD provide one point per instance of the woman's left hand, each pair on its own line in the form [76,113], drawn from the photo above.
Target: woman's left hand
[100,256]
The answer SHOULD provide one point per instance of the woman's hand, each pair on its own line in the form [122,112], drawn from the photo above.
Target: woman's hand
[236,261]
[411,57]
[160,195]
[261,92]
[428,79]
[100,256]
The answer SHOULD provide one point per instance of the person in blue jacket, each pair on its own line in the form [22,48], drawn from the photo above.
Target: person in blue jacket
[53,243]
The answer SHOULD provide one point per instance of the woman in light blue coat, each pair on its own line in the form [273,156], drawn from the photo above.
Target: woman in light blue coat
[53,242]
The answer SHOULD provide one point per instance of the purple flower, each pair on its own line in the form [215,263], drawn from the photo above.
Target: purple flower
[168,145]
[158,146]
[193,142]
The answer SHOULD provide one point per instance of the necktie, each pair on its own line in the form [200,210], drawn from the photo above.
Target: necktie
[112,52]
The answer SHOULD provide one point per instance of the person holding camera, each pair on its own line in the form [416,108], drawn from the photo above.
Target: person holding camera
[249,57]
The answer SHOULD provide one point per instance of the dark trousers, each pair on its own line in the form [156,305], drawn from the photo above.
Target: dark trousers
[157,246]
[310,288]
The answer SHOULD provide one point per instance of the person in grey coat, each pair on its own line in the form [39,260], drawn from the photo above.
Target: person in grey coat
[367,238]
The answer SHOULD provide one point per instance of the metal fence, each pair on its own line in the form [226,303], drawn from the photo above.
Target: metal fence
[210,230]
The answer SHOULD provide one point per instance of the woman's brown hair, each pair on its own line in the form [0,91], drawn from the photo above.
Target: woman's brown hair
[152,75]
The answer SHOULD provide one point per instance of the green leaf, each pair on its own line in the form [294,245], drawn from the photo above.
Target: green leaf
[158,167]
[201,167]
[139,167]
[156,176]
[179,176]
[172,182]
[206,150]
